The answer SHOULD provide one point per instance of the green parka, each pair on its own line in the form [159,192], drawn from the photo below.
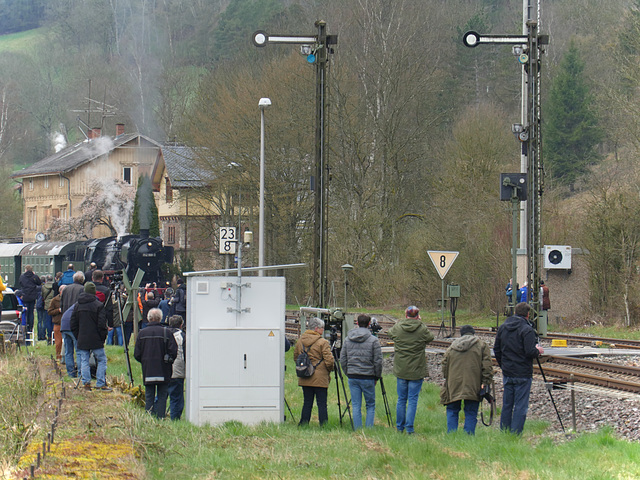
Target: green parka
[410,337]
[466,366]
[319,349]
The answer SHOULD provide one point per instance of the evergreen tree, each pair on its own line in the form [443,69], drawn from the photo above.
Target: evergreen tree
[145,210]
[570,127]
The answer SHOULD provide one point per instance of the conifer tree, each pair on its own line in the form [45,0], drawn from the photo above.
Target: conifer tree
[145,210]
[570,127]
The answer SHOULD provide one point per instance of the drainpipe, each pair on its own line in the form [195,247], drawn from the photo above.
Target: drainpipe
[68,193]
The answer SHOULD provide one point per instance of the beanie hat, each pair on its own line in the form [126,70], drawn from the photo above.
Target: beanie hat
[467,330]
[412,311]
[90,287]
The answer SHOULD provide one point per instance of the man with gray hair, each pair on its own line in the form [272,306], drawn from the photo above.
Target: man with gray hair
[317,385]
[73,291]
[156,350]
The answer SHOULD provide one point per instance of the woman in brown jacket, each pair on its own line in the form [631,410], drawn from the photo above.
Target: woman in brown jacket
[317,384]
[56,315]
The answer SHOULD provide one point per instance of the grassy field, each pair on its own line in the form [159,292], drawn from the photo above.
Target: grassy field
[178,450]
[22,42]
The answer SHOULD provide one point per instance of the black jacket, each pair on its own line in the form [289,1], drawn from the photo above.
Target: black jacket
[108,303]
[515,347]
[179,299]
[89,322]
[148,305]
[152,344]
[30,286]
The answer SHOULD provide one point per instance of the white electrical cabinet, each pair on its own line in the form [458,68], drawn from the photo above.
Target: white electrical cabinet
[235,349]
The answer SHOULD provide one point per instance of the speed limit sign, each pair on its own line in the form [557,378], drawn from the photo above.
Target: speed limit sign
[442,261]
[228,240]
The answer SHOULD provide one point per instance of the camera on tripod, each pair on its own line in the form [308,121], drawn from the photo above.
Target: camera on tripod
[333,318]
[116,279]
[374,326]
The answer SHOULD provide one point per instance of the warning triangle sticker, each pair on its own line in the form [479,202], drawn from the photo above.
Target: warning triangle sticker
[442,261]
[271,334]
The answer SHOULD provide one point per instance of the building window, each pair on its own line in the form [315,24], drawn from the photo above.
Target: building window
[31,184]
[33,219]
[47,216]
[46,182]
[61,181]
[171,234]
[63,212]
[126,174]
[169,190]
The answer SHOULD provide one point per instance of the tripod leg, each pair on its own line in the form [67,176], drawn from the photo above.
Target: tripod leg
[544,378]
[386,402]
[289,408]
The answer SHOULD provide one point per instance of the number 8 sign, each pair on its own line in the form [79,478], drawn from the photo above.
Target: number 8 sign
[442,261]
[228,240]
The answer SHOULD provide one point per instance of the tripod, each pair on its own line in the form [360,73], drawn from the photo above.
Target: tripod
[337,371]
[386,402]
[125,343]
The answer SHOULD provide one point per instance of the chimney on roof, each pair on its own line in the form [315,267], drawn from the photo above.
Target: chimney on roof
[97,132]
[119,129]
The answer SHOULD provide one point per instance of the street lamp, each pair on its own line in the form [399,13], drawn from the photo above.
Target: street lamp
[263,103]
[346,268]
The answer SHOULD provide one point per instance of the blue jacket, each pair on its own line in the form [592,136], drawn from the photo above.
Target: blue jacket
[67,278]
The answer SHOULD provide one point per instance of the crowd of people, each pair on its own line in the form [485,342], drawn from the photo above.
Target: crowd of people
[466,367]
[81,311]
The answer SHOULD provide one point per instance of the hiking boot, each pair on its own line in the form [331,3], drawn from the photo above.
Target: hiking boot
[87,386]
[104,388]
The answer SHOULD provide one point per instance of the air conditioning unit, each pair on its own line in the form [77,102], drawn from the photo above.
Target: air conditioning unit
[557,257]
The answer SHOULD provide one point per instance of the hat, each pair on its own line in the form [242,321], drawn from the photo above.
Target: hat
[467,330]
[90,287]
[412,311]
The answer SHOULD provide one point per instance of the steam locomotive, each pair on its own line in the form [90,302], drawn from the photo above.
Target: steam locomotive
[110,254]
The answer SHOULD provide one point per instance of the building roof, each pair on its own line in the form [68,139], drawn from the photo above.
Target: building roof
[182,168]
[75,156]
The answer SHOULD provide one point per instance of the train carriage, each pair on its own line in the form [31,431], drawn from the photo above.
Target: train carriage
[11,262]
[47,258]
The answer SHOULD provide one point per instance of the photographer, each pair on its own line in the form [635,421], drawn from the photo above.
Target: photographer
[466,367]
[156,350]
[361,359]
[316,385]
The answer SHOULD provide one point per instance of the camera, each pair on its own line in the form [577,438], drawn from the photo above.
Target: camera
[374,326]
[485,393]
[167,359]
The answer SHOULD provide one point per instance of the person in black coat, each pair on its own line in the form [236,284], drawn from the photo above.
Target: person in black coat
[156,349]
[98,280]
[30,286]
[89,326]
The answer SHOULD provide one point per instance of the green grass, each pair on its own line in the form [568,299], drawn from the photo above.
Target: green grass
[22,42]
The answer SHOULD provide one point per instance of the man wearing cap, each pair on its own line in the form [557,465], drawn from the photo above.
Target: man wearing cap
[515,348]
[89,326]
[466,367]
[410,337]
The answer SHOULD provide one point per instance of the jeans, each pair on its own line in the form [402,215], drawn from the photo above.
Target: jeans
[42,332]
[470,416]
[101,364]
[118,331]
[515,403]
[408,393]
[176,398]
[156,407]
[320,395]
[48,326]
[30,307]
[358,388]
[69,350]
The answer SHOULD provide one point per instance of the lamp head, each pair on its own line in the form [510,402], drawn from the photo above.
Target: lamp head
[347,268]
[264,102]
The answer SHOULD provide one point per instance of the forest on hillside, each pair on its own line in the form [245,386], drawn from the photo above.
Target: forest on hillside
[419,125]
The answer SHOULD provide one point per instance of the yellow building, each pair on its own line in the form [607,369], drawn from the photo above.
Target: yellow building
[55,186]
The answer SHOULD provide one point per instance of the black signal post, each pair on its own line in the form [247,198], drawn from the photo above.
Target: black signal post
[529,52]
[317,49]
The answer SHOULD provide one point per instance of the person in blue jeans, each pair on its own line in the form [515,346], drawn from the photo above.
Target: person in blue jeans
[466,367]
[176,385]
[515,348]
[361,360]
[89,327]
[410,337]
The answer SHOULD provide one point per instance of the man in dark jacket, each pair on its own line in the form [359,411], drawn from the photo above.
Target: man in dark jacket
[410,337]
[179,300]
[30,286]
[98,279]
[156,350]
[72,292]
[147,304]
[515,348]
[89,326]
[361,360]
[466,367]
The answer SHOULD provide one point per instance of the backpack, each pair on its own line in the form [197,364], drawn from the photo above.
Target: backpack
[304,365]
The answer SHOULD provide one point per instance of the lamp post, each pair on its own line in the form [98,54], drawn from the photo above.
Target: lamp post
[346,268]
[263,103]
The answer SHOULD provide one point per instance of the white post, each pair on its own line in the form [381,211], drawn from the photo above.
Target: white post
[263,103]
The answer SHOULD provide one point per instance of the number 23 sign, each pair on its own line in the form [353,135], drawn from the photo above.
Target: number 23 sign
[442,261]
[228,240]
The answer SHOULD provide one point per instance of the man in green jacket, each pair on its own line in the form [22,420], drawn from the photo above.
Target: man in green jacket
[410,337]
[466,367]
